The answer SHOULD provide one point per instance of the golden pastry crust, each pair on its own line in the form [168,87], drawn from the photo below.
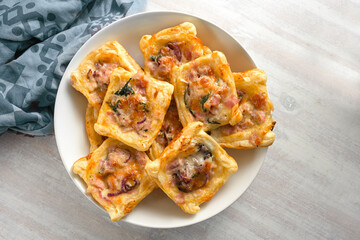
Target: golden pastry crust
[171,127]
[205,91]
[170,47]
[134,108]
[93,74]
[192,168]
[255,129]
[115,177]
[91,116]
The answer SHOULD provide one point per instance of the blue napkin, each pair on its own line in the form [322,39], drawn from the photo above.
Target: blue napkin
[37,41]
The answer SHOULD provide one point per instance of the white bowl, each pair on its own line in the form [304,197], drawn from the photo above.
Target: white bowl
[156,210]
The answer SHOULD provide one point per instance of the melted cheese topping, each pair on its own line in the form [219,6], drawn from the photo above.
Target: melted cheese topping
[118,172]
[254,113]
[191,172]
[99,79]
[204,95]
[170,55]
[130,106]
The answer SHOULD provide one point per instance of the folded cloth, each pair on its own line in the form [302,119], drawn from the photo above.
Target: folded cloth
[37,41]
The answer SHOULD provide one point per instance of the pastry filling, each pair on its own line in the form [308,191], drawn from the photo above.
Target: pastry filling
[130,107]
[254,113]
[170,128]
[117,173]
[99,79]
[170,55]
[193,171]
[207,97]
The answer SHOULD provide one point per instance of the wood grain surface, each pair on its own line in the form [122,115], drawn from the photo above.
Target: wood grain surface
[309,185]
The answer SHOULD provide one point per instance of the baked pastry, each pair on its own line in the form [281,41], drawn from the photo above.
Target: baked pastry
[134,108]
[115,177]
[192,168]
[170,47]
[171,127]
[255,129]
[205,92]
[93,74]
[91,116]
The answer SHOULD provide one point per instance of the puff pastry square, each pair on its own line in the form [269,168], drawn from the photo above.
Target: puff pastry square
[91,116]
[115,177]
[93,74]
[134,108]
[205,91]
[255,129]
[171,127]
[192,168]
[170,47]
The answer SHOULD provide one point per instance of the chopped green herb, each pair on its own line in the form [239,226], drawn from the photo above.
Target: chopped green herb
[186,104]
[144,106]
[203,100]
[114,107]
[153,58]
[126,90]
[156,58]
[212,122]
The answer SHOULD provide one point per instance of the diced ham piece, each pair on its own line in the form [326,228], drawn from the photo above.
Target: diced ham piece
[244,124]
[119,156]
[259,101]
[258,116]
[141,83]
[231,101]
[106,166]
[97,182]
[228,130]
[152,67]
[213,101]
[103,72]
[188,54]
[193,74]
[140,157]
[165,66]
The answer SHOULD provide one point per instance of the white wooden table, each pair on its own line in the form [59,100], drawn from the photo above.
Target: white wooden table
[309,185]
